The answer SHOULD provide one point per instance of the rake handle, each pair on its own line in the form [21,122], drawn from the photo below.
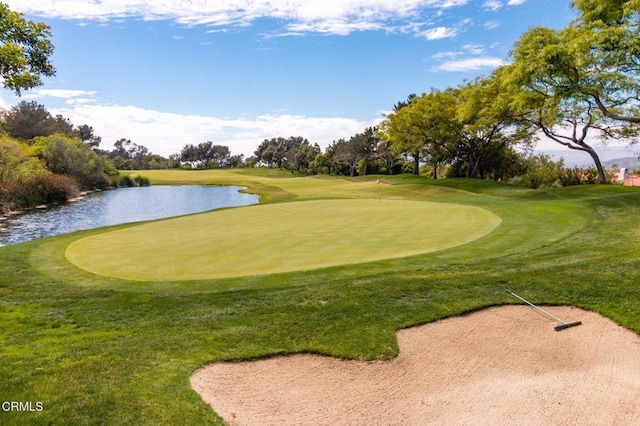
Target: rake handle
[537,308]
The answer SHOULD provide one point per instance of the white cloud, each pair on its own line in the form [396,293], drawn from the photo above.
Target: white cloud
[515,2]
[493,5]
[474,49]
[471,57]
[334,16]
[448,3]
[491,24]
[438,33]
[166,133]
[446,55]
[58,93]
[339,27]
[77,101]
[470,64]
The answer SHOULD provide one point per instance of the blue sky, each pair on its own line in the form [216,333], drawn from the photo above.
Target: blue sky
[165,73]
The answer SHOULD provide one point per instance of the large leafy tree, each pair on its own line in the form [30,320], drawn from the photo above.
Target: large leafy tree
[425,128]
[87,135]
[386,154]
[27,120]
[549,86]
[403,131]
[582,83]
[16,162]
[294,152]
[487,127]
[68,156]
[25,50]
[206,155]
[357,152]
[605,40]
[128,155]
[350,152]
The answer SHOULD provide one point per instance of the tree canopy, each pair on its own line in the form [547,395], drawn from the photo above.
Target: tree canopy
[580,84]
[26,120]
[25,50]
[605,40]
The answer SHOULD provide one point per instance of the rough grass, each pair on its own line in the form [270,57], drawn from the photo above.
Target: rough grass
[103,350]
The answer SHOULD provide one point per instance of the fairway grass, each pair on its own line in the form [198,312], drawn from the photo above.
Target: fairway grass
[267,239]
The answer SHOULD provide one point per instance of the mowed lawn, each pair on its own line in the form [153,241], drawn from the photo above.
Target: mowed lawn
[274,238]
[103,348]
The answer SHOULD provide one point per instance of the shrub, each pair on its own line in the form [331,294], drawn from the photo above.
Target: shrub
[124,181]
[68,156]
[579,176]
[141,181]
[46,188]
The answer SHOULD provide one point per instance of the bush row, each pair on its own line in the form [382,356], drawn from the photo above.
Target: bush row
[46,188]
[125,181]
[51,188]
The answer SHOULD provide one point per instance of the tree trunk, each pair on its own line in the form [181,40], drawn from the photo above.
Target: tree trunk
[416,163]
[596,160]
[475,168]
[468,174]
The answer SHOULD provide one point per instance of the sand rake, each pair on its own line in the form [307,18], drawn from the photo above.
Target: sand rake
[561,324]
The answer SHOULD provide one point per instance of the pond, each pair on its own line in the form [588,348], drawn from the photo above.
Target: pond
[120,206]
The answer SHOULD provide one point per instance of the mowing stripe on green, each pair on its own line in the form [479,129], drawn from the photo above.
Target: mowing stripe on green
[271,238]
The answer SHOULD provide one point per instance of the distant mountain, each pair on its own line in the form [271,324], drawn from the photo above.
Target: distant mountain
[622,156]
[630,163]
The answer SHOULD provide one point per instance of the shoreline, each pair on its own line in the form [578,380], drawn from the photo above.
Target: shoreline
[11,213]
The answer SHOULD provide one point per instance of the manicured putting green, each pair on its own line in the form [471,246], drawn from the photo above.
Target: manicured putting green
[270,238]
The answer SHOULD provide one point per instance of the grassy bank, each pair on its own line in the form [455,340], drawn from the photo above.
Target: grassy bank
[102,350]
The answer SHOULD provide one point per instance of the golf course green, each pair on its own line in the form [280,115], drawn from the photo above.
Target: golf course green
[105,326]
[266,239]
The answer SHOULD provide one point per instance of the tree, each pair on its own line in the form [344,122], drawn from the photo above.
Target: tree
[349,152]
[386,154]
[219,155]
[368,144]
[545,82]
[206,155]
[487,127]
[189,155]
[86,135]
[401,104]
[273,151]
[128,155]
[236,160]
[426,128]
[140,157]
[60,124]
[294,152]
[323,162]
[585,76]
[68,156]
[395,130]
[16,163]
[605,40]
[27,120]
[25,49]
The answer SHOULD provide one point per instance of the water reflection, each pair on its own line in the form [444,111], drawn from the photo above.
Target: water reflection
[120,206]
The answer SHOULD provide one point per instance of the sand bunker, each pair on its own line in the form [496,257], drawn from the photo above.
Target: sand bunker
[503,365]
